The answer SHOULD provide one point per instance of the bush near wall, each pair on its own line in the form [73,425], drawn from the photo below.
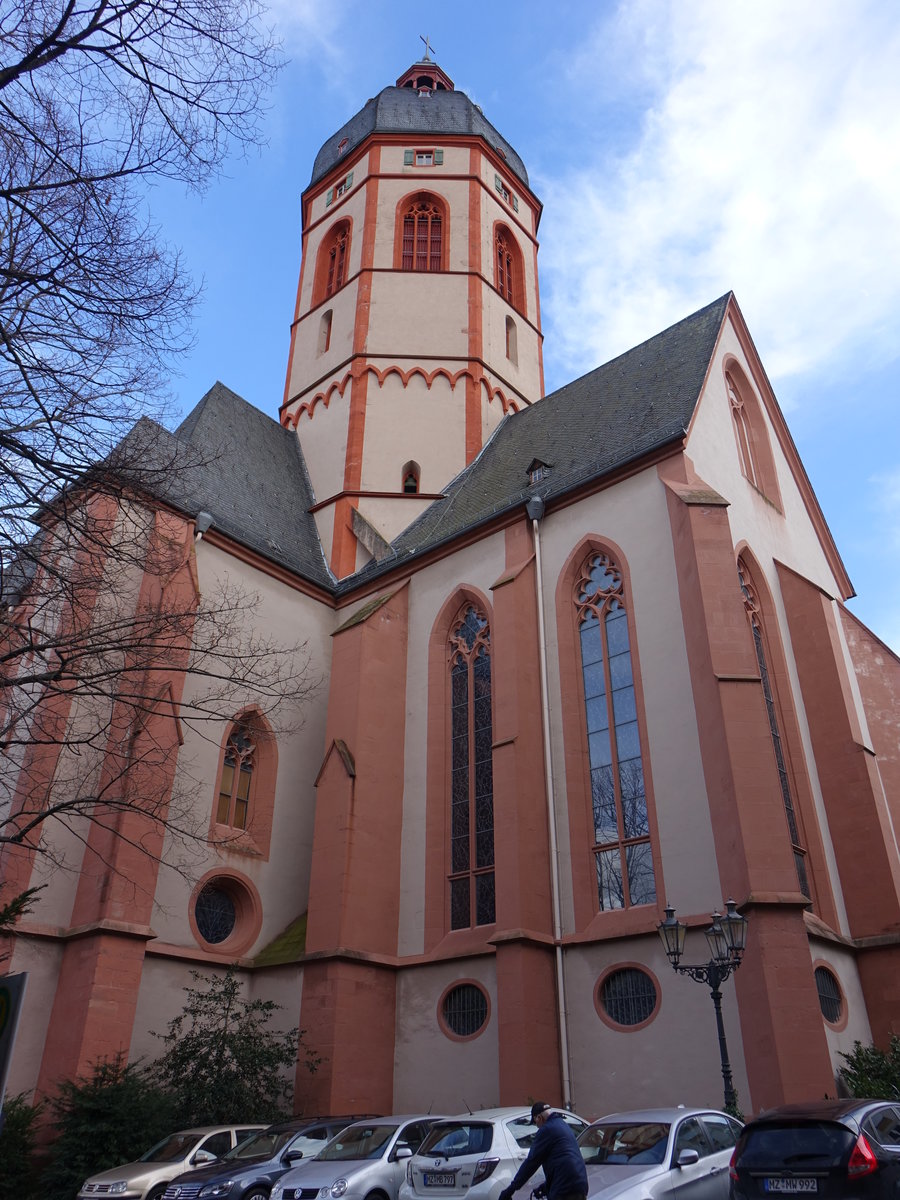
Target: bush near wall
[873,1072]
[17,1143]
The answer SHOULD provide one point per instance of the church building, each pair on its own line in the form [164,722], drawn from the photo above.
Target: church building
[580,656]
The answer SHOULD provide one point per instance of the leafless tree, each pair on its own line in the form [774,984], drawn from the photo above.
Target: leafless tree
[107,649]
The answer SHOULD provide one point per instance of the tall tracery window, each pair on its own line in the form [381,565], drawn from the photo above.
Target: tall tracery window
[751,605]
[237,776]
[622,851]
[423,233]
[332,262]
[471,773]
[508,267]
[753,445]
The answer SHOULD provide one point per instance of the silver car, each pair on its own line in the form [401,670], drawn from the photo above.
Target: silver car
[366,1161]
[655,1153]
[474,1157]
[186,1150]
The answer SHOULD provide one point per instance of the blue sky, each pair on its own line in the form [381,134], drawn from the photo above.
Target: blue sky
[681,148]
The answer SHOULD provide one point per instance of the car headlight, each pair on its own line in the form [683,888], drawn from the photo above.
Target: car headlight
[338,1188]
[275,1192]
[117,1188]
[213,1190]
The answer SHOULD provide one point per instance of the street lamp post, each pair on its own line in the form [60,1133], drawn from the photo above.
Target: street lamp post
[726,938]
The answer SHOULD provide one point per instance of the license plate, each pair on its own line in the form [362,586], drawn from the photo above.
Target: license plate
[439,1178]
[791,1186]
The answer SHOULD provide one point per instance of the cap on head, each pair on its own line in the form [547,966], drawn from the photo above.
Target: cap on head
[538,1108]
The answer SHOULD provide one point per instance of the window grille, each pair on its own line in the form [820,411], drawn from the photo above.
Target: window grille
[214,913]
[829,991]
[465,1009]
[628,996]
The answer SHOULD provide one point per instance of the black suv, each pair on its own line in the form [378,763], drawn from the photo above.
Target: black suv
[248,1171]
[829,1149]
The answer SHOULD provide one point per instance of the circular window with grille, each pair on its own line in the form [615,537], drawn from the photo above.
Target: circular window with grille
[831,1000]
[463,1010]
[627,996]
[225,912]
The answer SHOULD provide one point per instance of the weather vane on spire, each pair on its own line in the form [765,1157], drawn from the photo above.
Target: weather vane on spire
[428,47]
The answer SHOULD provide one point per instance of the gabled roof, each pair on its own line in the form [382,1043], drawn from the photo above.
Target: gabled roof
[631,406]
[403,110]
[231,460]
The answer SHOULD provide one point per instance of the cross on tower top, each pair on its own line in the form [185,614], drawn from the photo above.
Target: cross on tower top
[428,47]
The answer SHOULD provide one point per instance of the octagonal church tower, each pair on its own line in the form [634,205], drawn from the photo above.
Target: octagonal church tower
[417,326]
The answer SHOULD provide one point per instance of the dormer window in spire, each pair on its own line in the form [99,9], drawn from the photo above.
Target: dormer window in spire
[538,471]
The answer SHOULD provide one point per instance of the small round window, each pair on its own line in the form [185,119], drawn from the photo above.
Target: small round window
[628,996]
[465,1010]
[215,913]
[830,1000]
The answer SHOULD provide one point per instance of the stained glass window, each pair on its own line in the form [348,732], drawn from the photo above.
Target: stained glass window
[214,913]
[622,853]
[471,774]
[751,605]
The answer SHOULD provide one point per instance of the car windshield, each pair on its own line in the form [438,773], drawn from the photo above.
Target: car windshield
[637,1144]
[359,1141]
[456,1139]
[264,1145]
[813,1143]
[172,1148]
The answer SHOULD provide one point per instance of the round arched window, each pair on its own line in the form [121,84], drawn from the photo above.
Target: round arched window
[628,996]
[831,1001]
[464,1010]
[215,913]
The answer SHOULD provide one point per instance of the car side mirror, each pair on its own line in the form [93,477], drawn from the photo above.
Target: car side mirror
[293,1155]
[402,1152]
[687,1158]
[202,1157]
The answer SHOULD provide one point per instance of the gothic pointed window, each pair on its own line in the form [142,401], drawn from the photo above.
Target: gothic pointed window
[332,262]
[236,778]
[508,267]
[471,875]
[751,605]
[422,235]
[753,446]
[622,852]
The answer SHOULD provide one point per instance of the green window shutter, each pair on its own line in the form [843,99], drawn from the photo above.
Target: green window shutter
[438,158]
[498,183]
[515,203]
[348,182]
[329,197]
[407,158]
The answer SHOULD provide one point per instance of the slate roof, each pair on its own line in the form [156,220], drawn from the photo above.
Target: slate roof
[637,403]
[403,110]
[231,460]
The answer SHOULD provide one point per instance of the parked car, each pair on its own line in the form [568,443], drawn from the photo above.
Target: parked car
[659,1152]
[184,1151]
[474,1156]
[248,1171]
[366,1161]
[831,1149]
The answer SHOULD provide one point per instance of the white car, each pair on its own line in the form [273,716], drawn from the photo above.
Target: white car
[474,1156]
[366,1161]
[186,1150]
[659,1154]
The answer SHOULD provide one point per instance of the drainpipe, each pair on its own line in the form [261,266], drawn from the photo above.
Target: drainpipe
[535,510]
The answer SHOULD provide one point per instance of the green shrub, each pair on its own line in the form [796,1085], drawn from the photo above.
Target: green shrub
[112,1117]
[17,1141]
[222,1062]
[872,1072]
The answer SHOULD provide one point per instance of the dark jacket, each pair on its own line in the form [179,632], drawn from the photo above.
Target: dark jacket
[554,1148]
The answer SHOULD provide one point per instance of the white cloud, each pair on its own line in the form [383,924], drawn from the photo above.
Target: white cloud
[768,162]
[310,29]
